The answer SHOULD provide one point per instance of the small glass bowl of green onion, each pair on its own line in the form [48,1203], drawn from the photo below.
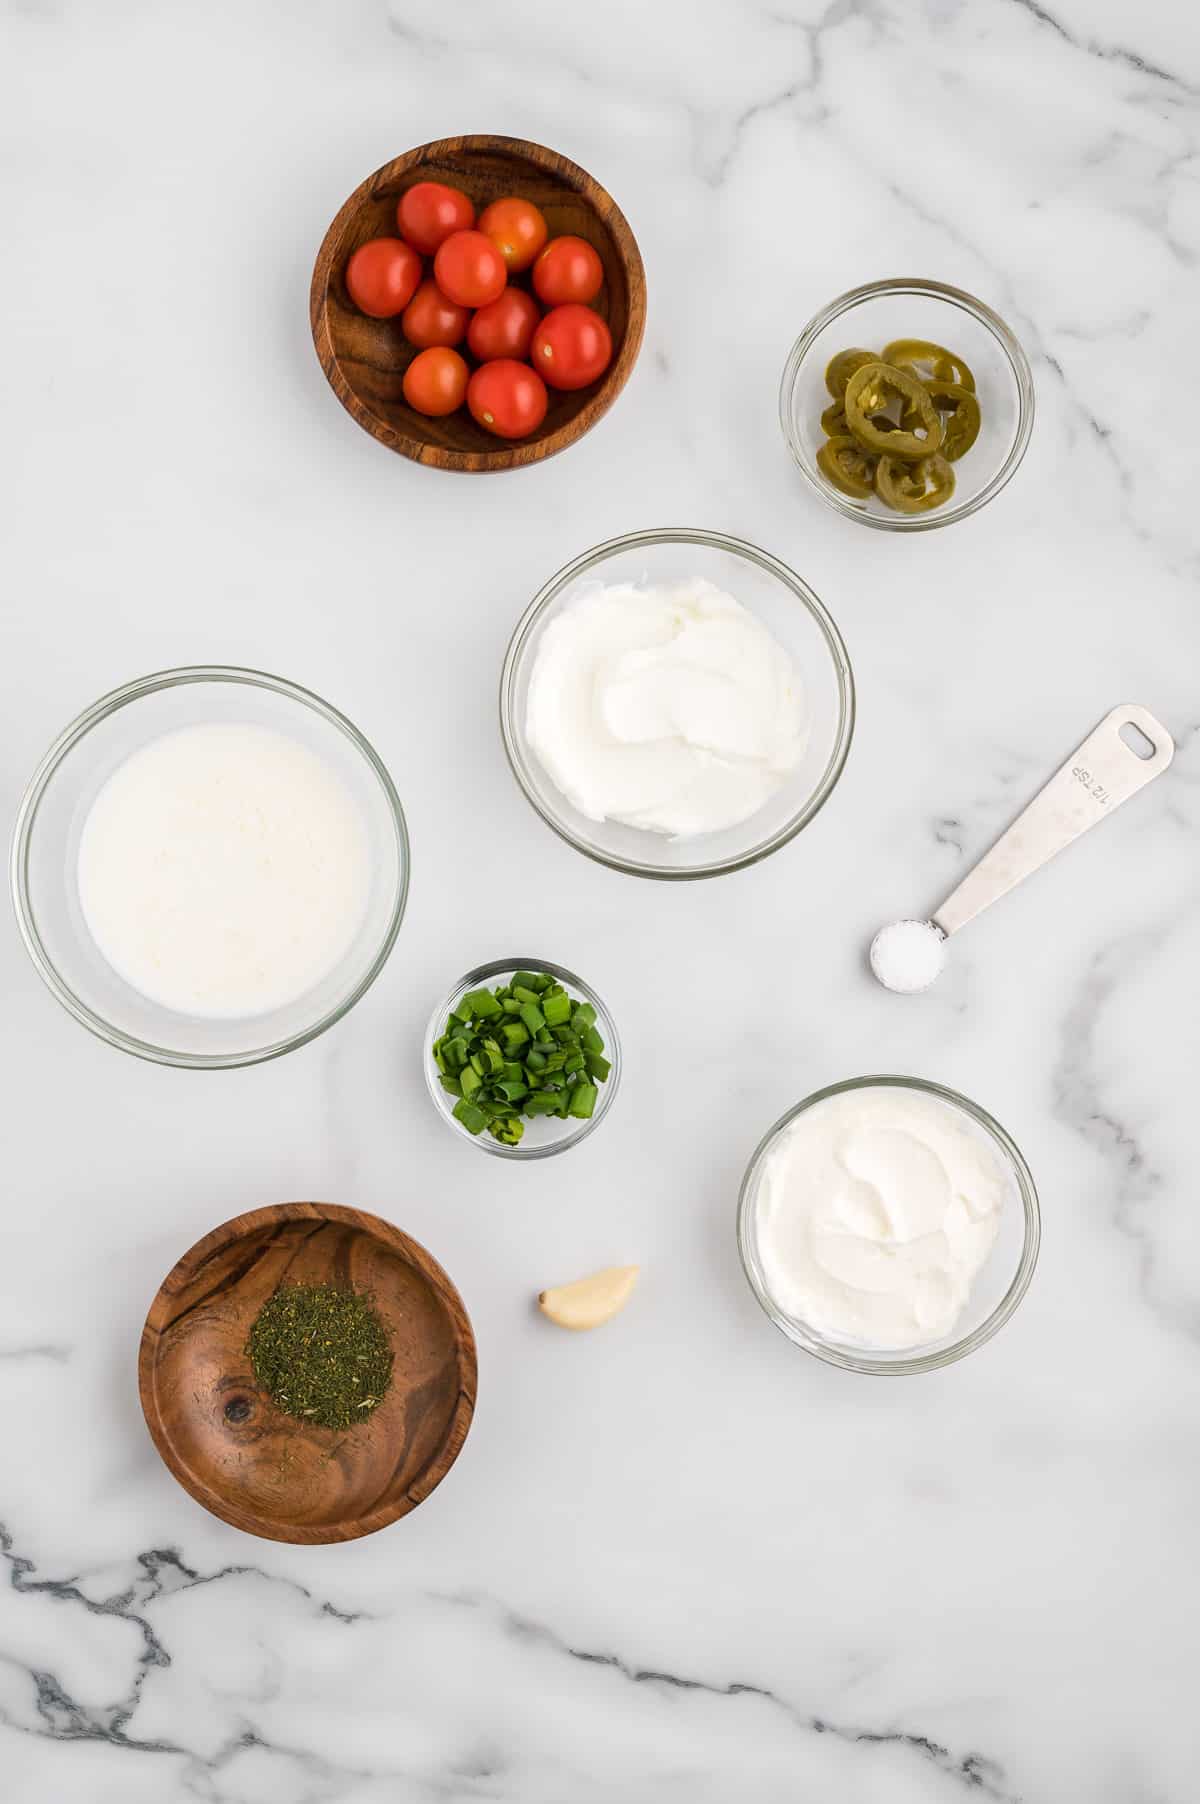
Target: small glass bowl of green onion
[522,1057]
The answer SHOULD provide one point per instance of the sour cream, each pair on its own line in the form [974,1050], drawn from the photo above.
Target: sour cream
[223,870]
[876,1210]
[666,707]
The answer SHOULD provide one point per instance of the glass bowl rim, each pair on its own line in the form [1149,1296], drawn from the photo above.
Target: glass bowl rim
[836,1354]
[470,980]
[23,829]
[839,659]
[986,316]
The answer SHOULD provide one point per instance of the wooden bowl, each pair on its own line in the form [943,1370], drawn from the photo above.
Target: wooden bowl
[365,359]
[227,1442]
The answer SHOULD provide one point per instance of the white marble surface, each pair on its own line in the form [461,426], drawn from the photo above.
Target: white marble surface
[678,1560]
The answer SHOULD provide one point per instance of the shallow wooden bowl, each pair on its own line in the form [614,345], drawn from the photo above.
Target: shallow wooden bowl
[365,359]
[227,1442]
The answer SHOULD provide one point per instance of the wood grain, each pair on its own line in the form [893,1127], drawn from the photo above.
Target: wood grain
[365,359]
[227,1442]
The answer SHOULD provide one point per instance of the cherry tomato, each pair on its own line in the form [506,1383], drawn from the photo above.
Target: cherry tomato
[429,212]
[571,347]
[567,270]
[382,276]
[507,398]
[504,327]
[435,382]
[430,319]
[517,230]
[469,269]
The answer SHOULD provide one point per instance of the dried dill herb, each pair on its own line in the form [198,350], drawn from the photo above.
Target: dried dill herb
[321,1353]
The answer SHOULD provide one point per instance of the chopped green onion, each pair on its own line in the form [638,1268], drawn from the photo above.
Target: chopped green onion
[479,1003]
[523,1049]
[541,1102]
[473,1119]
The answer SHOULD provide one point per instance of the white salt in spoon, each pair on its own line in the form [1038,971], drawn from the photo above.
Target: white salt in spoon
[1127,750]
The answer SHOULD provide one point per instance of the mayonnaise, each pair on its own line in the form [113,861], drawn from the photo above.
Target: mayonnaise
[666,707]
[875,1211]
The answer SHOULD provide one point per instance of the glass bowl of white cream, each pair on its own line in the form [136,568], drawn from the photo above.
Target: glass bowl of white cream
[888,1225]
[677,703]
[209,867]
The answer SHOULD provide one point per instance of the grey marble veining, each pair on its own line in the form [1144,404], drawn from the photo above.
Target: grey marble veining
[57,1715]
[677,1560]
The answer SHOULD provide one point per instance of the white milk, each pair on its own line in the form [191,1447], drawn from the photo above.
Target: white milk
[223,870]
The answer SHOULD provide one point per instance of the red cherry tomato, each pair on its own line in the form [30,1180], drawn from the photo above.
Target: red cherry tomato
[469,269]
[567,270]
[504,327]
[381,277]
[428,213]
[507,398]
[435,382]
[571,347]
[517,230]
[430,319]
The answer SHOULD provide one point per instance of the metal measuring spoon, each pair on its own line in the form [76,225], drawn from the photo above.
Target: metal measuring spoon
[1127,750]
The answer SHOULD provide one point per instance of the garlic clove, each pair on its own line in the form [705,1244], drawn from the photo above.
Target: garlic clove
[589,1301]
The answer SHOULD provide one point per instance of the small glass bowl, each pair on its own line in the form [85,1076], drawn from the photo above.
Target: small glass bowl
[789,610]
[45,855]
[871,317]
[544,1134]
[998,1287]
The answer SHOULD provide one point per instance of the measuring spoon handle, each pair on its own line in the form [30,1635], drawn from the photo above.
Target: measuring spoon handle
[1094,781]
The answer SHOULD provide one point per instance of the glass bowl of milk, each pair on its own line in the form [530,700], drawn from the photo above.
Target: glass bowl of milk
[677,703]
[888,1225]
[210,867]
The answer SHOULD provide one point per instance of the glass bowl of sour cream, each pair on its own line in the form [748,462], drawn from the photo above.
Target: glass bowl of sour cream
[888,1225]
[209,867]
[677,703]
